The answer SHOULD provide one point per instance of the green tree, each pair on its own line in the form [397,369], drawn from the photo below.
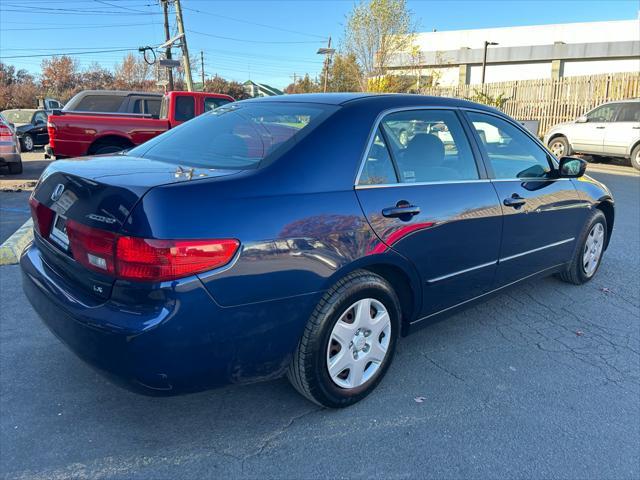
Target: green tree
[376,31]
[344,74]
[217,84]
[304,85]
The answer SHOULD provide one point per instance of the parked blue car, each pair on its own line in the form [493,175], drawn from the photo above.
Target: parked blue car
[300,235]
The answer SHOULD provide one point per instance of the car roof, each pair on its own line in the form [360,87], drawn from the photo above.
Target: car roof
[118,93]
[388,99]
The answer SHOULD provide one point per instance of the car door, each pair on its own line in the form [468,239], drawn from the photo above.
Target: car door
[542,214]
[428,199]
[624,131]
[588,137]
[39,131]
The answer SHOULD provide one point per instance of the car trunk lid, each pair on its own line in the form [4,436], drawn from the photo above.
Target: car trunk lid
[99,193]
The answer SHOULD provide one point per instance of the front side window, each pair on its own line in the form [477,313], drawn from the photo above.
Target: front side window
[236,136]
[511,152]
[429,146]
[40,117]
[605,113]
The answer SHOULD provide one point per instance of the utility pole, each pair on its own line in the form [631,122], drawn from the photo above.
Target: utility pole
[484,57]
[327,52]
[167,37]
[202,68]
[186,62]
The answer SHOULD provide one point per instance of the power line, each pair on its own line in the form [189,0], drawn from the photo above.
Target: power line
[253,41]
[248,22]
[69,54]
[66,27]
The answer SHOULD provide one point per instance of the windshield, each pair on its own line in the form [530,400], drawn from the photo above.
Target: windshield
[18,116]
[236,136]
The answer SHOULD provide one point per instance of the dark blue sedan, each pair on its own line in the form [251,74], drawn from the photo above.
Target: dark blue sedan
[300,235]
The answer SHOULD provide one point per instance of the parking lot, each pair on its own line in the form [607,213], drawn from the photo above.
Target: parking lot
[540,381]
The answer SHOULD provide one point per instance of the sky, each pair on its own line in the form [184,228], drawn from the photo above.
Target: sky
[262,40]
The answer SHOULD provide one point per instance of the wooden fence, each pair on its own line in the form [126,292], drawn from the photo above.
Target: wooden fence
[551,101]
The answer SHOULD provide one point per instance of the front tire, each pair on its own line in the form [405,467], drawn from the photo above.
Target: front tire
[560,147]
[587,256]
[635,157]
[27,142]
[349,341]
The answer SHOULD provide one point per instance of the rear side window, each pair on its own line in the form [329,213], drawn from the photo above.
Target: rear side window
[429,146]
[236,136]
[99,103]
[629,112]
[511,152]
[185,108]
[211,103]
[153,106]
[378,166]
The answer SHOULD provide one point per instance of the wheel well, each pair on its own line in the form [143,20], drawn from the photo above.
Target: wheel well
[556,135]
[109,140]
[401,285]
[606,207]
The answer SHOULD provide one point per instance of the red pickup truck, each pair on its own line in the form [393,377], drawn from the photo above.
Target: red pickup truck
[73,134]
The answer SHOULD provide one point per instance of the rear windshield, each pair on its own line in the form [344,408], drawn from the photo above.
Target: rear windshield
[236,136]
[18,116]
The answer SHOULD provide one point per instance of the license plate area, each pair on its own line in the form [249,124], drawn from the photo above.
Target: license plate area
[58,233]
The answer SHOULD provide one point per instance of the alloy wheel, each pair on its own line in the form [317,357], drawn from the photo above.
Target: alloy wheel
[28,143]
[593,249]
[359,343]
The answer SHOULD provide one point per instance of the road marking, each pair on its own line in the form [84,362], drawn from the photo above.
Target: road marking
[12,248]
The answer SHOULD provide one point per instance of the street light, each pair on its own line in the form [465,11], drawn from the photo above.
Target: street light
[327,52]
[484,57]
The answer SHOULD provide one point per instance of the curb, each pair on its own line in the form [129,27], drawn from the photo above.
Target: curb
[12,248]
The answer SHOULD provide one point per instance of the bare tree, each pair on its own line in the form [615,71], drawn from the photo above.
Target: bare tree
[376,31]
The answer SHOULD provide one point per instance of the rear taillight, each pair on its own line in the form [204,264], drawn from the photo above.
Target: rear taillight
[158,260]
[140,259]
[42,217]
[6,135]
[92,247]
[51,131]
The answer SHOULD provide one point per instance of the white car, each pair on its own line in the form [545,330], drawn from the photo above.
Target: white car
[611,130]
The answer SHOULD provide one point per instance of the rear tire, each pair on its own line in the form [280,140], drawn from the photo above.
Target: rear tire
[363,354]
[15,168]
[560,147]
[635,157]
[587,256]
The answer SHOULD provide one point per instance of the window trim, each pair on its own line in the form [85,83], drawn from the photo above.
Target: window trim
[475,151]
[490,172]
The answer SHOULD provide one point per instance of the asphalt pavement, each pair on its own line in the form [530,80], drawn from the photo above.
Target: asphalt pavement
[541,381]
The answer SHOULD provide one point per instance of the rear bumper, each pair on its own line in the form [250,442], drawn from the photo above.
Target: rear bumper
[183,344]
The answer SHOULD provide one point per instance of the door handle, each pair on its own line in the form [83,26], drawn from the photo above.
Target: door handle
[515,201]
[402,209]
[600,128]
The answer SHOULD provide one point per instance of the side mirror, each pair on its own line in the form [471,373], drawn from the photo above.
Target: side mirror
[571,167]
[582,119]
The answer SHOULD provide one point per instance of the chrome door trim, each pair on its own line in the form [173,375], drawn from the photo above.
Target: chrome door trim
[486,293]
[417,184]
[384,113]
[460,272]
[517,255]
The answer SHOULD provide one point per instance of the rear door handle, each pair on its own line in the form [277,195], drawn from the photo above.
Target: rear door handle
[515,201]
[402,209]
[600,128]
